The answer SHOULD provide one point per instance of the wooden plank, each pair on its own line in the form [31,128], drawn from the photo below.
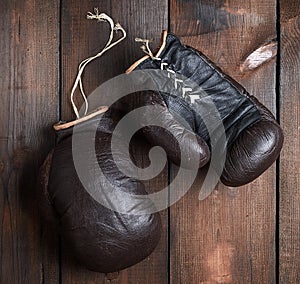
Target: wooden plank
[80,39]
[230,236]
[29,88]
[289,203]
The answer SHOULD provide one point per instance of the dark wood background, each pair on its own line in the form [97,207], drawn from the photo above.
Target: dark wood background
[236,235]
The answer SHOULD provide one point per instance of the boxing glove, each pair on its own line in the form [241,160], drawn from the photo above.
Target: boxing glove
[160,128]
[104,239]
[212,102]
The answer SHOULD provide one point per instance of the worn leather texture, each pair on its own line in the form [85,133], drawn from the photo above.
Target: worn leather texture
[253,137]
[101,239]
[171,135]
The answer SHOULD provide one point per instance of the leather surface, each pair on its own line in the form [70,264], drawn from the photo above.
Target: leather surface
[254,139]
[172,136]
[254,150]
[101,239]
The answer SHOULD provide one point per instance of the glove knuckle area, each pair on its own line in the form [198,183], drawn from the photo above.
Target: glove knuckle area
[254,151]
[179,142]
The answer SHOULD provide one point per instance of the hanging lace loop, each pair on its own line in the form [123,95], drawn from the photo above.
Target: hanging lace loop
[110,43]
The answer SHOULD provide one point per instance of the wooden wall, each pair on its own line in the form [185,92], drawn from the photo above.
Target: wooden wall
[237,235]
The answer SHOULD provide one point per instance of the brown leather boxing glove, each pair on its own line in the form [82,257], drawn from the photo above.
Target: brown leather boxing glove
[102,239]
[218,103]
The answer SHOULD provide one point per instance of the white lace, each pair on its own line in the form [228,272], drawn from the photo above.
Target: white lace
[145,47]
[78,81]
[164,66]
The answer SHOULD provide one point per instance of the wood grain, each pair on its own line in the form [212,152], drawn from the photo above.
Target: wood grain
[227,238]
[29,100]
[289,203]
[82,38]
[230,236]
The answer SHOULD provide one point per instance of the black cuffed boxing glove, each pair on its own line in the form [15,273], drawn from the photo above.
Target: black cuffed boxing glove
[101,239]
[211,102]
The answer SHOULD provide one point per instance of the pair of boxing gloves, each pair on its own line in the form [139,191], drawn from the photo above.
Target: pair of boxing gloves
[105,239]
